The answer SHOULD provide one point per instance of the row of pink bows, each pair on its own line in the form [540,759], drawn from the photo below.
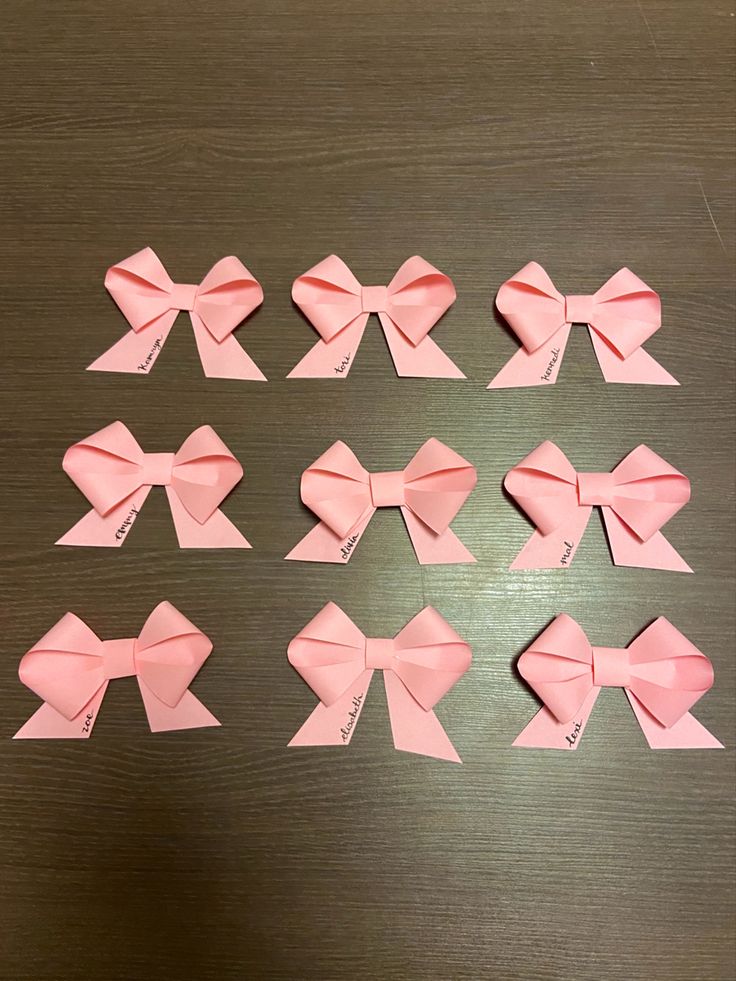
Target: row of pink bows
[621,316]
[636,498]
[661,672]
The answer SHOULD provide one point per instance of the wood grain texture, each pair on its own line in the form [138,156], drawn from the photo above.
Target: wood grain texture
[480,134]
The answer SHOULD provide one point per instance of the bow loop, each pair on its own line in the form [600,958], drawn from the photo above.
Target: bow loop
[649,491]
[531,305]
[544,485]
[169,653]
[626,312]
[438,481]
[558,666]
[141,287]
[65,667]
[337,488]
[419,294]
[204,472]
[328,653]
[107,466]
[430,658]
[329,296]
[226,296]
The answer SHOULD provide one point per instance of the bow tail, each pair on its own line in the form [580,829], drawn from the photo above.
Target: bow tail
[333,725]
[557,549]
[333,358]
[546,732]
[225,358]
[686,733]
[628,549]
[423,360]
[136,352]
[217,531]
[109,530]
[540,367]
[639,368]
[321,544]
[414,729]
[432,548]
[47,723]
[188,713]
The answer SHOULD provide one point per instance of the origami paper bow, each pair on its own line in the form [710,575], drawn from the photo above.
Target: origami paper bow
[115,476]
[621,316]
[637,498]
[430,492]
[420,665]
[338,306]
[151,302]
[70,669]
[661,672]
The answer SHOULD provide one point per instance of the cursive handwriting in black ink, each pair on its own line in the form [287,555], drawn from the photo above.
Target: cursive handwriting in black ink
[348,547]
[352,717]
[569,546]
[88,722]
[342,367]
[548,371]
[122,530]
[572,738]
[145,365]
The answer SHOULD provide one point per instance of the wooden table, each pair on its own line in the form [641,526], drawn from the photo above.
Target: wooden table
[480,135]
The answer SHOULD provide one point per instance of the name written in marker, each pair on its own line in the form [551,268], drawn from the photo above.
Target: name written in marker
[572,738]
[123,529]
[88,723]
[569,546]
[555,358]
[342,367]
[352,717]
[348,547]
[145,365]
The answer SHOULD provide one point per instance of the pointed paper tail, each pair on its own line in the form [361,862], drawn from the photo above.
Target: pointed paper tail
[686,733]
[136,353]
[47,723]
[557,549]
[434,549]
[217,531]
[545,732]
[110,530]
[225,358]
[335,724]
[414,729]
[539,367]
[333,358]
[639,368]
[629,550]
[425,360]
[188,713]
[321,544]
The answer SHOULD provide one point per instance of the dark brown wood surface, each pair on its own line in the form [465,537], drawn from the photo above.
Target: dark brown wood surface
[480,135]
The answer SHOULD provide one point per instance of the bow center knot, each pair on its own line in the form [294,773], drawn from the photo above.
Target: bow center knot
[379,653]
[387,488]
[596,489]
[578,309]
[119,658]
[183,296]
[611,667]
[374,298]
[157,468]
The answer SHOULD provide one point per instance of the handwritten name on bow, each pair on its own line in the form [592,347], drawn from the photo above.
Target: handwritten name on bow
[344,496]
[621,316]
[150,301]
[70,668]
[420,665]
[661,672]
[116,476]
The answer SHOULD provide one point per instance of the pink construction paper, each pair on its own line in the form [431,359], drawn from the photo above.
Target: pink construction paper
[116,476]
[419,666]
[429,491]
[662,673]
[70,668]
[637,498]
[338,307]
[620,316]
[150,302]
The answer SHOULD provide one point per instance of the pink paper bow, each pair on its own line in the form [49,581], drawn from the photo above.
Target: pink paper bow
[115,476]
[430,492]
[151,302]
[637,498]
[621,316]
[420,665]
[661,672]
[70,669]
[338,306]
